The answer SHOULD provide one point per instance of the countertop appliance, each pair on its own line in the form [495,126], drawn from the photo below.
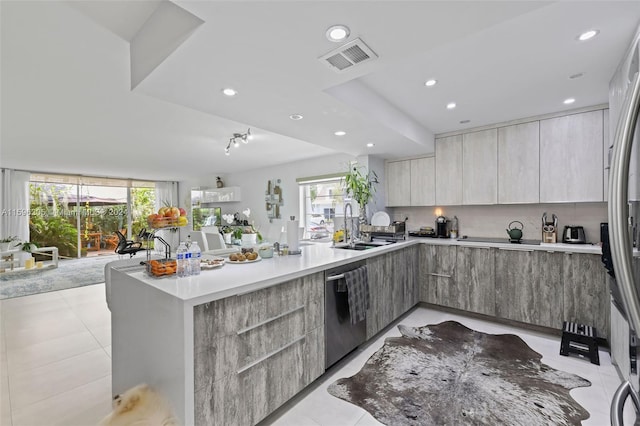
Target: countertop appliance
[395,231]
[441,227]
[341,337]
[573,235]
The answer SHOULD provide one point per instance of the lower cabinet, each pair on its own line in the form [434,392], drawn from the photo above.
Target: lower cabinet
[254,352]
[475,279]
[531,286]
[393,287]
[438,279]
[586,292]
[519,296]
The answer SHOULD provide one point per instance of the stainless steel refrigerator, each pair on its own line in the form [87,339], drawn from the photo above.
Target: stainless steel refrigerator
[624,208]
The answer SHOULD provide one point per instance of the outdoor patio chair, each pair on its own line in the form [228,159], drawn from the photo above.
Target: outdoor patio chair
[127,246]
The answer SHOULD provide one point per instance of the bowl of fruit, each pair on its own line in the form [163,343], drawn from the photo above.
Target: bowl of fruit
[168,217]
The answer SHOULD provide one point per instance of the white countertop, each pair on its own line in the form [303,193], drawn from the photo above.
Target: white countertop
[236,279]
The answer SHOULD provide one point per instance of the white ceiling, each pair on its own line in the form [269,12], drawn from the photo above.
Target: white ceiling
[68,103]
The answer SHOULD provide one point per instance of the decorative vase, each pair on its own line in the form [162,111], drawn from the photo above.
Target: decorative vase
[5,246]
[227,238]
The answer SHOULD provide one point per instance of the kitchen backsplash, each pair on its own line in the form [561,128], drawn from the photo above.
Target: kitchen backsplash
[492,221]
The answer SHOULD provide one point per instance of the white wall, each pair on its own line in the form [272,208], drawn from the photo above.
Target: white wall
[254,186]
[492,221]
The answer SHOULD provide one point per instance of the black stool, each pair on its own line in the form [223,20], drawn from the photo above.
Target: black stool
[579,339]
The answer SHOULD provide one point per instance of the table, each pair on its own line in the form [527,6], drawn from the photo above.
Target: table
[94,238]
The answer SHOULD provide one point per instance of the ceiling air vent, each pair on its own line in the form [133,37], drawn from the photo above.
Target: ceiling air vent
[348,55]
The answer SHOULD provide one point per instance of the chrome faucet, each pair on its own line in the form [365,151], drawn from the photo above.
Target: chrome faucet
[348,237]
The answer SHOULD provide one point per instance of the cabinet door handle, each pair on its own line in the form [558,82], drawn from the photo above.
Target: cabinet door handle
[478,247]
[514,249]
[439,275]
[268,320]
[269,355]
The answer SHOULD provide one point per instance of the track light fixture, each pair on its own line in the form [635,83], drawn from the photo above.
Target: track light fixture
[235,140]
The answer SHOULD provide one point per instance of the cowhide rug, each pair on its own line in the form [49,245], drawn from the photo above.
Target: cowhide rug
[448,374]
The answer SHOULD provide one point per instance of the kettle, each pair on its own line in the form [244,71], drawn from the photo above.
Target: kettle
[515,233]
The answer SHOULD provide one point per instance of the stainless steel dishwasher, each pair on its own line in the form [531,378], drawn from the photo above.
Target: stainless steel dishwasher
[341,337]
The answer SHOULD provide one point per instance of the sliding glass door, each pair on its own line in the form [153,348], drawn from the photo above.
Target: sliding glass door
[80,215]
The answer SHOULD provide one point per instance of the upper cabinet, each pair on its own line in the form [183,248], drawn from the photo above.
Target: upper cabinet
[411,182]
[571,158]
[423,181]
[519,163]
[480,167]
[555,160]
[449,170]
[221,195]
[398,176]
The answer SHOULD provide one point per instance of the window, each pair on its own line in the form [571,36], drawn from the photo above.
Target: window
[322,203]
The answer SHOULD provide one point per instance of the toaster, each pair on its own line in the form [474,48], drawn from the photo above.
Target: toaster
[573,235]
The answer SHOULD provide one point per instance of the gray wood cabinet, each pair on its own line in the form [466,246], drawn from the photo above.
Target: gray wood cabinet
[549,296]
[516,279]
[519,163]
[480,167]
[529,287]
[423,181]
[438,281]
[449,170]
[398,176]
[475,279]
[393,287]
[255,351]
[586,294]
[571,158]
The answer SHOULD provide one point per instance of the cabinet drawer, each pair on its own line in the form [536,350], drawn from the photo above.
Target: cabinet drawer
[234,352]
[246,397]
[228,316]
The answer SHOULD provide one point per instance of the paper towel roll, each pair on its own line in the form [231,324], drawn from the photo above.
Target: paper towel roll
[292,235]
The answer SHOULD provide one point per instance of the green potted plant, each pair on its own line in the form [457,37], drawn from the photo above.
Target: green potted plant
[28,246]
[361,187]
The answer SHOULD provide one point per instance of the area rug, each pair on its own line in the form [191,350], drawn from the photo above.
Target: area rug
[448,374]
[70,273]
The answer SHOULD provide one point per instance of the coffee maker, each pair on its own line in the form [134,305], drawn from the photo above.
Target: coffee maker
[441,227]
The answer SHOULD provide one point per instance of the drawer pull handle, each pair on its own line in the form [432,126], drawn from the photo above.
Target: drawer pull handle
[514,249]
[268,320]
[269,355]
[439,275]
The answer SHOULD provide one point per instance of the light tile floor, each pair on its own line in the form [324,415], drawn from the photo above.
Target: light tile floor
[55,365]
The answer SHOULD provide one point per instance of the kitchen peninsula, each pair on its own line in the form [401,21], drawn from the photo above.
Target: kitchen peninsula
[231,345]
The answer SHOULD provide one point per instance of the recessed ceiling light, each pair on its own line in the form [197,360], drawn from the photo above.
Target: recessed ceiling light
[465,121]
[229,92]
[337,33]
[296,116]
[370,145]
[576,75]
[568,101]
[587,35]
[340,133]
[430,83]
[451,105]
